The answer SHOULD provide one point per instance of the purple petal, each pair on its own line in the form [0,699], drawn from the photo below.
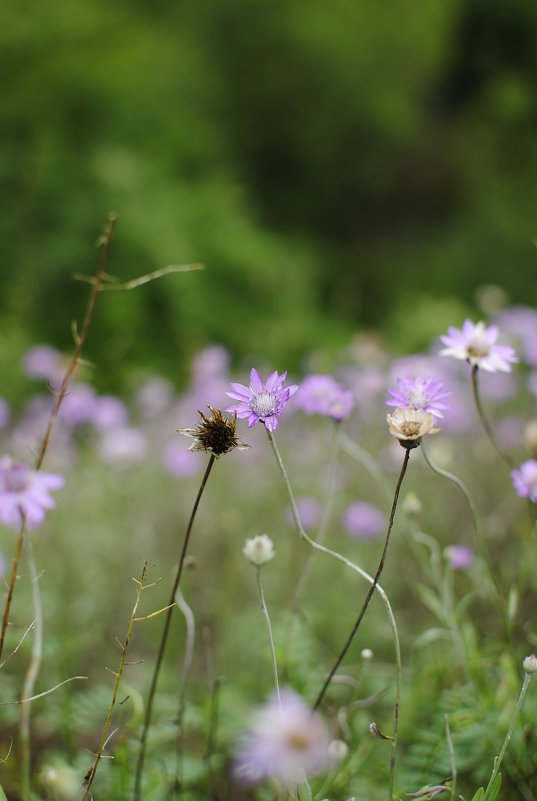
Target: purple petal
[255,381]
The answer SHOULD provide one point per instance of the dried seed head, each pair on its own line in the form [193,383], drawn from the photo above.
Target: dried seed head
[215,434]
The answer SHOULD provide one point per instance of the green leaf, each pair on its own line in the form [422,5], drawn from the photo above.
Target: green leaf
[479,795]
[493,791]
[3,796]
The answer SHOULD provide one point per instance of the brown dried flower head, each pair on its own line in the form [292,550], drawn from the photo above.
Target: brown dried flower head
[409,425]
[215,434]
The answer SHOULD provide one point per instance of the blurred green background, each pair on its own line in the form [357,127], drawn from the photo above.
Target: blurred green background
[334,165]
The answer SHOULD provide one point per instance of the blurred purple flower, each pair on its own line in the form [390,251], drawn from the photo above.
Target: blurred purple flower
[25,493]
[309,512]
[123,446]
[525,480]
[286,741]
[477,344]
[322,394]
[212,360]
[109,412]
[5,413]
[78,405]
[154,397]
[364,520]
[419,393]
[261,401]
[178,461]
[42,362]
[460,557]
[522,322]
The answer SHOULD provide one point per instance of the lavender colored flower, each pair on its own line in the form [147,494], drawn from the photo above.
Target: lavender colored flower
[309,512]
[78,406]
[42,361]
[261,401]
[5,413]
[525,480]
[322,394]
[460,557]
[109,412]
[364,520]
[286,741]
[24,493]
[477,344]
[419,393]
[123,447]
[179,462]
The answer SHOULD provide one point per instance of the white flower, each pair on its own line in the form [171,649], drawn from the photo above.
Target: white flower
[259,550]
[410,425]
[530,664]
[476,343]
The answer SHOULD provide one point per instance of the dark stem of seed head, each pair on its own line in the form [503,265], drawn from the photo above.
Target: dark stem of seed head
[372,586]
[164,638]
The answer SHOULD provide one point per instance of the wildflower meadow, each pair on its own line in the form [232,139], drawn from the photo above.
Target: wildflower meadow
[316,585]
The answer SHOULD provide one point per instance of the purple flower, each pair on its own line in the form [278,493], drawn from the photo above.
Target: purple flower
[525,480]
[477,344]
[286,741]
[322,394]
[363,520]
[5,413]
[123,447]
[109,412]
[261,401]
[42,361]
[179,462]
[309,512]
[460,556]
[24,493]
[419,393]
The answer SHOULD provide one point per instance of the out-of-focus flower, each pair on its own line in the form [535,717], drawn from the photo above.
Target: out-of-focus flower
[215,434]
[109,412]
[364,521]
[530,664]
[259,550]
[24,493]
[309,512]
[5,413]
[525,480]
[154,397]
[477,344]
[322,394]
[261,401]
[410,425]
[179,462]
[78,405]
[419,393]
[337,751]
[530,437]
[214,359]
[412,505]
[123,447]
[286,741]
[522,322]
[460,556]
[42,362]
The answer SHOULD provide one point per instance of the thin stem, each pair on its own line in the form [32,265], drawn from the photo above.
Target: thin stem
[31,675]
[118,675]
[372,586]
[348,563]
[14,569]
[162,647]
[269,629]
[484,421]
[452,763]
[516,712]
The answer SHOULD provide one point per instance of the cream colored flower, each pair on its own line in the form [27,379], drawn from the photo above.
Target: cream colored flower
[259,550]
[410,425]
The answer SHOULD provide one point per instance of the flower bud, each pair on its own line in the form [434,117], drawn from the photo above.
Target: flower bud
[259,550]
[530,664]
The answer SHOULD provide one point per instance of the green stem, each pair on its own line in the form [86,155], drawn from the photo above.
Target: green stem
[484,421]
[164,638]
[348,563]
[498,761]
[30,677]
[269,629]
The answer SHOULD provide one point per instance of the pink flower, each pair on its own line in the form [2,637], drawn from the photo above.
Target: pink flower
[322,394]
[261,401]
[477,344]
[525,480]
[24,493]
[419,393]
[286,741]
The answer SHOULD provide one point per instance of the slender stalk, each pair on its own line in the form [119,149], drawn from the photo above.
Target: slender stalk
[31,675]
[348,563]
[269,629]
[484,421]
[498,761]
[163,641]
[118,675]
[372,586]
[453,790]
[104,243]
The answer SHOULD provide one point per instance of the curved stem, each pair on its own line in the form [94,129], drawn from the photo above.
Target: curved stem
[164,638]
[14,569]
[269,629]
[372,586]
[30,677]
[353,566]
[484,421]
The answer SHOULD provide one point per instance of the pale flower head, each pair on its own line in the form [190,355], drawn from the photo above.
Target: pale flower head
[259,550]
[476,344]
[530,664]
[287,742]
[409,425]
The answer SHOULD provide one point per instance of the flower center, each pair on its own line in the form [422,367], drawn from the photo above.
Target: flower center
[298,741]
[410,428]
[477,348]
[417,398]
[263,405]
